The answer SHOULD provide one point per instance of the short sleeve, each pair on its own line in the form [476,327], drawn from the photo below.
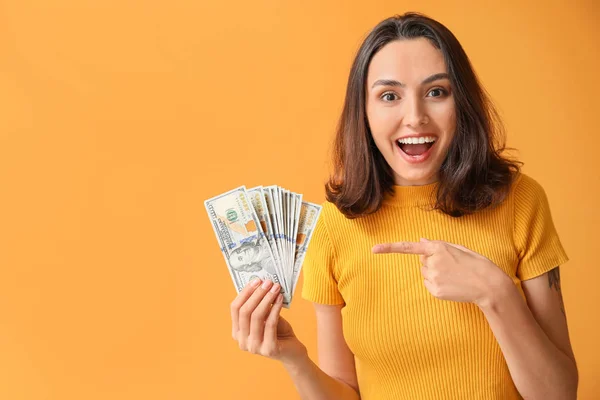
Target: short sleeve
[536,239]
[320,285]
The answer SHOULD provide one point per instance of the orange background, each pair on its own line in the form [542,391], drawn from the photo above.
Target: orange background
[119,118]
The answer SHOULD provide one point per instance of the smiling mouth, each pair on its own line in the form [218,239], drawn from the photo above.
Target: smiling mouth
[414,149]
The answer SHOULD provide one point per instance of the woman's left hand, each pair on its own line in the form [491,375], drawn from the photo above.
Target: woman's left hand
[451,271]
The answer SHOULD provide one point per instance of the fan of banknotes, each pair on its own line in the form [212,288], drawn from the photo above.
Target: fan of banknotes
[264,233]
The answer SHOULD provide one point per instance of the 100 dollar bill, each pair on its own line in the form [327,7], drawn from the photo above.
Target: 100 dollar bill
[242,241]
[309,214]
[257,198]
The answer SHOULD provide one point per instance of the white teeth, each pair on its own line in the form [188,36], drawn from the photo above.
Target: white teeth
[420,140]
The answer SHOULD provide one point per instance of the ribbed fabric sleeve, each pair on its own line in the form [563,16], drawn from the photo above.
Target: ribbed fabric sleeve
[320,284]
[536,239]
[407,344]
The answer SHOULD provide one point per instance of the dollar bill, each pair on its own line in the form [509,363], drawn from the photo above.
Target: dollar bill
[242,240]
[257,197]
[276,195]
[296,203]
[309,214]
[286,235]
[272,210]
[297,211]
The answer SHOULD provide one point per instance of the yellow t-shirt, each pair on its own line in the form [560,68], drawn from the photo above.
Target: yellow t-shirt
[408,344]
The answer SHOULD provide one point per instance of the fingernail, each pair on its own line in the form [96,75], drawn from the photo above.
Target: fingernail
[254,282]
[275,288]
[266,284]
[279,298]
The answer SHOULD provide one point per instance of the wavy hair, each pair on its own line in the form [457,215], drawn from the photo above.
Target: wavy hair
[474,174]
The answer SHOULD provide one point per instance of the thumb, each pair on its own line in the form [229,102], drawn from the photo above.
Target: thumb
[424,240]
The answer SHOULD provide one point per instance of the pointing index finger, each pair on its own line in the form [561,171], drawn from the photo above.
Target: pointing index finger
[422,248]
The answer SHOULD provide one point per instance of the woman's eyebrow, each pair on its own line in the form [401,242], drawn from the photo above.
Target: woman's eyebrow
[392,82]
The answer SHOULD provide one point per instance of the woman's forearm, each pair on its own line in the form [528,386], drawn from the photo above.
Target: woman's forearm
[538,368]
[314,384]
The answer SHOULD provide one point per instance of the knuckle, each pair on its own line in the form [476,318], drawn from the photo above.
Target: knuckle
[256,318]
[270,351]
[253,348]
[244,312]
[271,323]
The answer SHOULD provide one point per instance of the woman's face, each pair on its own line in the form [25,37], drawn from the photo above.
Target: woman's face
[409,95]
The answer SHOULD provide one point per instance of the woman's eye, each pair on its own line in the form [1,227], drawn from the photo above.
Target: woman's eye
[389,97]
[438,90]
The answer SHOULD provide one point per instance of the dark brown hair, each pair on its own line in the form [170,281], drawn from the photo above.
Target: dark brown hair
[474,174]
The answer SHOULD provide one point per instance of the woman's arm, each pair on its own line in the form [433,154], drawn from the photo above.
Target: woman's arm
[533,337]
[336,377]
[314,384]
[258,328]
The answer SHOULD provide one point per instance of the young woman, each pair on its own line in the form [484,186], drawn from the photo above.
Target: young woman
[434,267]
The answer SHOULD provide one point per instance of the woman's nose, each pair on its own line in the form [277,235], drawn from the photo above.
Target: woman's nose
[415,114]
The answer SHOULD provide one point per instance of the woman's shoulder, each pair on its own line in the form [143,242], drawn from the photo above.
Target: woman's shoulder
[526,189]
[331,213]
[523,179]
[530,203]
[330,217]
[335,223]
[331,208]
[334,217]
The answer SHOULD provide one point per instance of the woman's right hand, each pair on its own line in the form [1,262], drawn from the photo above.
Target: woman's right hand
[257,326]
